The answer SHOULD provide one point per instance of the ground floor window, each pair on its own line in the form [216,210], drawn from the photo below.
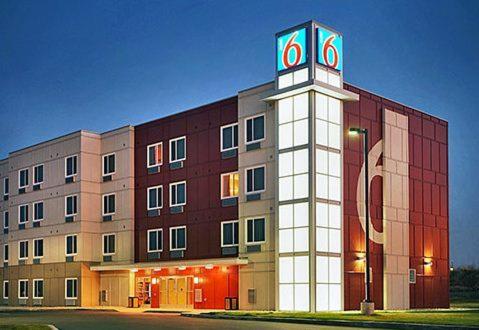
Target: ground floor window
[6,289]
[22,289]
[38,289]
[71,288]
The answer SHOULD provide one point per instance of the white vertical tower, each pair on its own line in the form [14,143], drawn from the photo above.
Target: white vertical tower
[308,102]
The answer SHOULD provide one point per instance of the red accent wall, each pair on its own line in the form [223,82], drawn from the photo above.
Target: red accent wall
[428,203]
[203,212]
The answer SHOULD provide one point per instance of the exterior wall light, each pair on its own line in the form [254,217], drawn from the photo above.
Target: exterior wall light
[157,269]
[181,267]
[196,280]
[209,266]
[154,280]
[428,263]
[134,270]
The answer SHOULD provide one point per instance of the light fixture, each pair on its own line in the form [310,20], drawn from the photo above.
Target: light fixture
[134,270]
[428,263]
[196,280]
[154,280]
[361,258]
[209,266]
[355,131]
[181,267]
[451,269]
[157,269]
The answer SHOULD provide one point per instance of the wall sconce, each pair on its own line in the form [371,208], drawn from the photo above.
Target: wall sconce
[361,258]
[134,270]
[196,280]
[154,280]
[157,269]
[181,267]
[428,263]
[209,266]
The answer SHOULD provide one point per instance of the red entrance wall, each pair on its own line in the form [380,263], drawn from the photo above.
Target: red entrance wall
[216,284]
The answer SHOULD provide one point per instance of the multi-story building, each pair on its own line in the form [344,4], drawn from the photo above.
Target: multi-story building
[258,198]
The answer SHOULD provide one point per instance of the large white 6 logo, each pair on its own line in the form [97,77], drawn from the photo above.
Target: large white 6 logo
[374,170]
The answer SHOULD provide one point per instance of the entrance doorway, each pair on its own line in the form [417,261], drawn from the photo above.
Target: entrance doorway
[176,292]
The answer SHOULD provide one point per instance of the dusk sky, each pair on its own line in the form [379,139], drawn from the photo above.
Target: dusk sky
[98,65]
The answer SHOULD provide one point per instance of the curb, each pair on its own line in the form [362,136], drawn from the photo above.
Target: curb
[52,327]
[41,310]
[163,312]
[364,324]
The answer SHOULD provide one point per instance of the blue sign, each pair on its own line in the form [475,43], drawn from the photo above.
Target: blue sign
[291,49]
[329,48]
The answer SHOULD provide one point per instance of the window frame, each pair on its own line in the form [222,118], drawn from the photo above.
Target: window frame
[171,236]
[103,204]
[35,176]
[148,198]
[148,154]
[148,240]
[103,244]
[246,231]
[66,167]
[103,163]
[169,151]
[246,128]
[6,215]
[6,248]
[171,195]
[3,289]
[75,279]
[19,287]
[33,211]
[246,179]
[19,213]
[76,245]
[76,205]
[34,288]
[222,231]
[35,249]
[221,136]
[19,178]
[6,192]
[19,249]
[221,185]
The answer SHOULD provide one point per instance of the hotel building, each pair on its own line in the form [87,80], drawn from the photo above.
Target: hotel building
[253,202]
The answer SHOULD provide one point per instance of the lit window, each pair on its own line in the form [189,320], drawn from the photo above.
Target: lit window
[6,187]
[155,240]
[229,185]
[229,137]
[229,233]
[70,205]
[155,154]
[177,238]
[6,221]
[109,204]
[70,166]
[255,180]
[23,213]
[293,113]
[23,178]
[255,130]
[38,174]
[109,164]
[71,288]
[177,194]
[71,245]
[37,289]
[38,248]
[5,253]
[38,211]
[177,149]
[255,231]
[109,244]
[22,289]
[23,250]
[6,289]
[155,197]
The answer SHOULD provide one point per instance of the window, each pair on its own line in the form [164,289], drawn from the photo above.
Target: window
[229,233]
[70,245]
[22,289]
[229,137]
[6,290]
[229,185]
[38,248]
[37,211]
[178,238]
[6,221]
[255,129]
[177,149]
[70,205]
[23,178]
[5,253]
[22,213]
[108,164]
[293,113]
[23,250]
[155,197]
[71,288]
[255,230]
[108,244]
[71,166]
[6,188]
[155,240]
[154,154]
[38,289]
[255,179]
[38,174]
[178,193]
[109,204]
[293,173]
